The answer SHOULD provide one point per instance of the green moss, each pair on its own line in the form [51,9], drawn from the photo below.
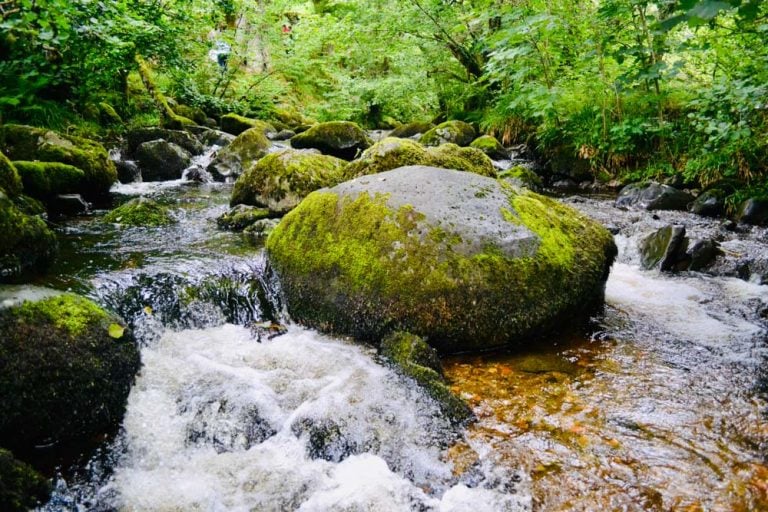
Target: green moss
[29,205]
[411,129]
[37,144]
[526,177]
[10,181]
[108,114]
[21,487]
[236,124]
[288,116]
[456,132]
[490,146]
[170,119]
[337,138]
[280,180]
[392,153]
[64,377]
[141,212]
[26,245]
[241,154]
[241,216]
[358,267]
[44,179]
[193,113]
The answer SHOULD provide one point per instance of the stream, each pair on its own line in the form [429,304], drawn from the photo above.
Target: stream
[661,405]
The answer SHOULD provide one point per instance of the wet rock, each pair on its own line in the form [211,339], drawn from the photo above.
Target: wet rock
[280,180]
[283,135]
[338,138]
[411,130]
[21,487]
[235,124]
[754,211]
[709,204]
[161,160]
[42,180]
[702,253]
[566,184]
[241,216]
[241,154]
[67,368]
[665,249]
[38,144]
[198,175]
[454,132]
[326,439]
[260,229]
[491,147]
[10,181]
[27,246]
[138,136]
[69,205]
[225,426]
[523,176]
[128,171]
[212,137]
[264,331]
[141,211]
[451,256]
[653,196]
[414,358]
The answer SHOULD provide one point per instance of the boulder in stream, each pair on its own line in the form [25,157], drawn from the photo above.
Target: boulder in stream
[42,180]
[754,211]
[161,160]
[240,217]
[67,368]
[239,155]
[413,129]
[461,259]
[341,139]
[236,124]
[653,196]
[141,211]
[26,245]
[184,139]
[710,203]
[665,249]
[454,132]
[490,146]
[21,487]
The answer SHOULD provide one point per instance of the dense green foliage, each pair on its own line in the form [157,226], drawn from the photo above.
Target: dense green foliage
[621,88]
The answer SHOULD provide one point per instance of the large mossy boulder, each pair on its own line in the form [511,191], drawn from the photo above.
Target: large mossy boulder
[392,153]
[141,211]
[161,160]
[235,124]
[10,181]
[244,151]
[26,246]
[341,139]
[455,132]
[411,129]
[469,262]
[67,366]
[28,143]
[280,180]
[43,180]
[186,140]
[21,487]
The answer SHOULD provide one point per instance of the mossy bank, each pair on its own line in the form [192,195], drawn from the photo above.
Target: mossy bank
[467,261]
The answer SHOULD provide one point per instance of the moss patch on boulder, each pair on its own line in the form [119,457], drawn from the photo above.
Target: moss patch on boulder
[392,153]
[21,487]
[141,211]
[66,370]
[466,261]
[280,180]
[241,154]
[29,144]
[236,124]
[341,139]
[456,132]
[490,146]
[138,136]
[413,357]
[26,245]
[410,129]
[241,216]
[10,181]
[44,179]
[523,176]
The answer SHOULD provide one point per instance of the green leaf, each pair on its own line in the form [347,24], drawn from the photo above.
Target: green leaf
[116,331]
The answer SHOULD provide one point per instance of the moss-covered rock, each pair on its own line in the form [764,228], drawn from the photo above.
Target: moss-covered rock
[67,366]
[289,116]
[141,211]
[260,229]
[490,146]
[341,139]
[455,132]
[411,129]
[137,136]
[392,153]
[26,244]
[241,154]
[523,176]
[413,357]
[469,262]
[28,143]
[193,113]
[241,216]
[45,179]
[162,160]
[108,114]
[21,487]
[280,180]
[10,181]
[235,124]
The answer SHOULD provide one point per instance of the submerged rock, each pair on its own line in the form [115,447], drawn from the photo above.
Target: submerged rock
[67,368]
[455,132]
[21,487]
[461,259]
[141,211]
[341,139]
[280,180]
[653,196]
[161,160]
[241,154]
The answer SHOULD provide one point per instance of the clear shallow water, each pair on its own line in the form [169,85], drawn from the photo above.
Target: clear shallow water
[660,408]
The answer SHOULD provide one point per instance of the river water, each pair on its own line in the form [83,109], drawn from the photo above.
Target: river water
[660,405]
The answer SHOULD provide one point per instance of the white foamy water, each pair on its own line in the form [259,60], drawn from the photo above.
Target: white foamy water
[217,421]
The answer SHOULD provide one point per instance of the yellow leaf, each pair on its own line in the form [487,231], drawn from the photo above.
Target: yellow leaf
[147,310]
[116,331]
